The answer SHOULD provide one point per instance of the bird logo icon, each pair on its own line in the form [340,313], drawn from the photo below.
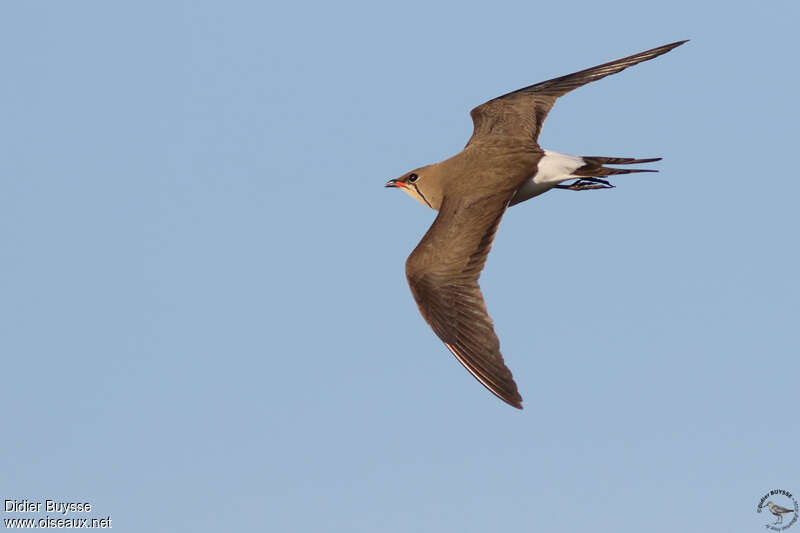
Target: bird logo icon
[778,511]
[785,512]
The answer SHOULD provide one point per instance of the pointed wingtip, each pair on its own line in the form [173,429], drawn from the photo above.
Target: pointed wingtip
[667,47]
[514,401]
[678,43]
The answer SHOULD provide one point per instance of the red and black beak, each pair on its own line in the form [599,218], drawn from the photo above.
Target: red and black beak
[396,184]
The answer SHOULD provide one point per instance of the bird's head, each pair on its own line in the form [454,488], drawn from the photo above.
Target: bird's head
[421,184]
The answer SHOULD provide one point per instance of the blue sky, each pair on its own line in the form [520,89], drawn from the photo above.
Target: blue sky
[205,323]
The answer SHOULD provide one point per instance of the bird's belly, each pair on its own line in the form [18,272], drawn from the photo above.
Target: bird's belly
[552,169]
[530,189]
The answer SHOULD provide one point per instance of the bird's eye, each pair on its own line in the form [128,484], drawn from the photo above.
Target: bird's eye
[412,178]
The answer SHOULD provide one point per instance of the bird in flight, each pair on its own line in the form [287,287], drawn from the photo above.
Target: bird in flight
[501,165]
[778,511]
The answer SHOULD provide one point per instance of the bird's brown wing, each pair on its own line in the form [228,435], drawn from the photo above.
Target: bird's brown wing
[521,113]
[443,272]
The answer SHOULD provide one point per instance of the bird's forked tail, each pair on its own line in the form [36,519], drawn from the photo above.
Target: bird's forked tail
[588,171]
[593,166]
